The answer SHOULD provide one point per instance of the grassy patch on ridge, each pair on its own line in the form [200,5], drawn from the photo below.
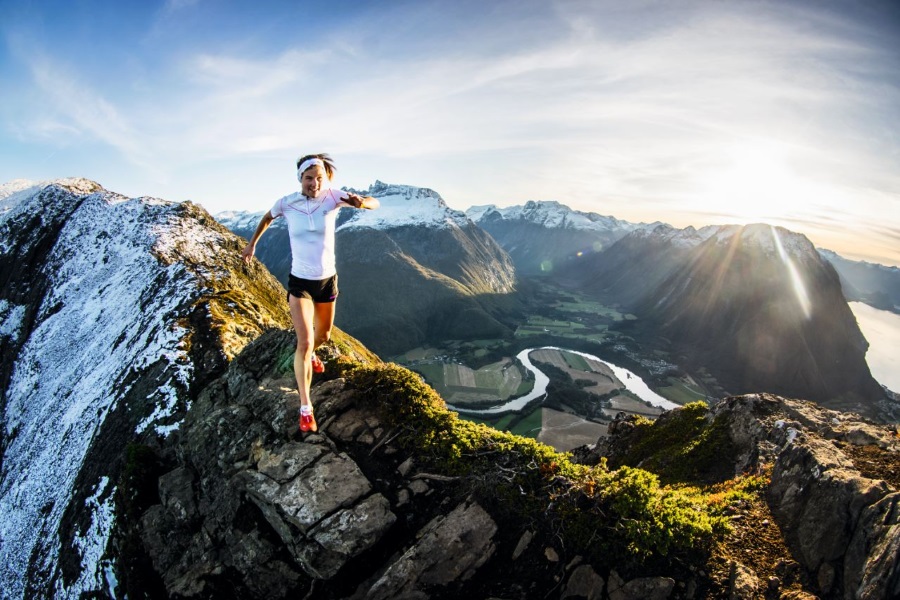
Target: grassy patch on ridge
[601,512]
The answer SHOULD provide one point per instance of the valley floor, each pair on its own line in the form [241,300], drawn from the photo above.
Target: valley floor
[584,394]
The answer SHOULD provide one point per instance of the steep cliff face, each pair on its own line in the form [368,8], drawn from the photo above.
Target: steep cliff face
[115,310]
[761,309]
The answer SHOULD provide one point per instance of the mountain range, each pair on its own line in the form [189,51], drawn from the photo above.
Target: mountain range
[760,309]
[149,446]
[757,307]
[541,237]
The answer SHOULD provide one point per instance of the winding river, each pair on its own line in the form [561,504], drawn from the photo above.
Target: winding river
[632,383]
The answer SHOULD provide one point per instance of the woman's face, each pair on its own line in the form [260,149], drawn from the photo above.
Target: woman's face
[313,181]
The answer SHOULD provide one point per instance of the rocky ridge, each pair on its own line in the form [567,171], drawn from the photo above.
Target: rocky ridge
[252,509]
[833,492]
[249,508]
[115,312]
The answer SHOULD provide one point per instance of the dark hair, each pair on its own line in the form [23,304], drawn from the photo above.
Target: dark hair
[325,158]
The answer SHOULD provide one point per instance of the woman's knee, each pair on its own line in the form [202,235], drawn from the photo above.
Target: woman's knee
[323,336]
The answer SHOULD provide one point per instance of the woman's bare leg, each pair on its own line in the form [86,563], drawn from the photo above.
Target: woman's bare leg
[302,315]
[324,321]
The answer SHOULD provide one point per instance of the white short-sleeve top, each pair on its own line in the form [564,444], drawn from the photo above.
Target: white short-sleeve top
[310,223]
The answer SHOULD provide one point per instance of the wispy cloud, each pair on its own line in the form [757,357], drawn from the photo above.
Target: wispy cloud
[628,109]
[74,109]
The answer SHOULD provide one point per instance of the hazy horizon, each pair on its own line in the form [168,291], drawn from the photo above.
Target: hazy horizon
[693,112]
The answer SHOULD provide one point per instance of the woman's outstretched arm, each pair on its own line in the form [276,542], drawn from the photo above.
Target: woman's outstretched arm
[250,248]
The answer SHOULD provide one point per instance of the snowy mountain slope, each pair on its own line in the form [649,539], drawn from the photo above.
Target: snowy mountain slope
[543,237]
[403,205]
[111,316]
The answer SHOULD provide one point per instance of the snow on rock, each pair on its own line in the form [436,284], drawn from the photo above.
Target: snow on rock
[117,293]
[11,316]
[92,544]
[552,214]
[243,220]
[403,205]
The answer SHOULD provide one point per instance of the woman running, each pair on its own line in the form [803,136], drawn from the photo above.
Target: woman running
[312,285]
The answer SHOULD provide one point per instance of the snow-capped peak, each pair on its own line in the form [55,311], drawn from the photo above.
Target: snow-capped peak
[770,239]
[13,192]
[401,205]
[404,205]
[238,219]
[688,237]
[551,214]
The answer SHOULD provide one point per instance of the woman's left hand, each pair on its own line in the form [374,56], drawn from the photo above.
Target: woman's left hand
[367,202]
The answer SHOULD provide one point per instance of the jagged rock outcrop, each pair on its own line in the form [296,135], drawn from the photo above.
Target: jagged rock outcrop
[257,509]
[833,490]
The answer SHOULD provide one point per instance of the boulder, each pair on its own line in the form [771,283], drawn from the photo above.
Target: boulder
[584,583]
[450,548]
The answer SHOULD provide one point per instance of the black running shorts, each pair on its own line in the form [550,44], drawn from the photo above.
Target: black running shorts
[321,291]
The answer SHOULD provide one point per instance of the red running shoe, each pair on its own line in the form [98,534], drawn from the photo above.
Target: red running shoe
[308,421]
[317,365]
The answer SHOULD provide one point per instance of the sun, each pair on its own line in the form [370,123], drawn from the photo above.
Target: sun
[755,184]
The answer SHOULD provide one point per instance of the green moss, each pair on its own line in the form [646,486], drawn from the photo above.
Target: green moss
[684,446]
[600,513]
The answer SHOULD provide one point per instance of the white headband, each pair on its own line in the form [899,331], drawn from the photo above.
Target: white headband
[309,162]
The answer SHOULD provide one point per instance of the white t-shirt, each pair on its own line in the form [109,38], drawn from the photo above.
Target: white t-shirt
[310,223]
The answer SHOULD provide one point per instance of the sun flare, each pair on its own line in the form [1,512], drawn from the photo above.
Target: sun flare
[757,184]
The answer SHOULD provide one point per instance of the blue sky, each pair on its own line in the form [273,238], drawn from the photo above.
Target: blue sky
[692,113]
